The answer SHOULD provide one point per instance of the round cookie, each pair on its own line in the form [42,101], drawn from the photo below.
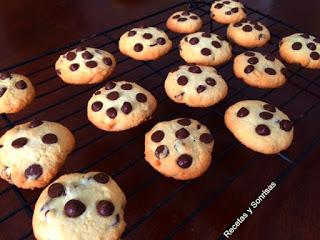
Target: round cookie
[16,92]
[145,43]
[205,49]
[32,153]
[195,85]
[258,70]
[85,65]
[301,48]
[120,105]
[180,148]
[227,11]
[80,207]
[260,126]
[184,22]
[248,34]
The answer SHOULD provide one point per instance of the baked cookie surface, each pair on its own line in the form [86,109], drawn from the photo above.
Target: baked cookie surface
[227,11]
[259,126]
[120,105]
[180,148]
[85,65]
[80,207]
[16,92]
[32,153]
[145,43]
[258,70]
[184,22]
[302,49]
[195,85]
[248,34]
[205,49]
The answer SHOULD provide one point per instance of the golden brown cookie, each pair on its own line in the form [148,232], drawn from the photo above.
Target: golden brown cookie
[227,11]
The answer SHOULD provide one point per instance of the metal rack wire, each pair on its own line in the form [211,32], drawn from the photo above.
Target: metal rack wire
[49,85]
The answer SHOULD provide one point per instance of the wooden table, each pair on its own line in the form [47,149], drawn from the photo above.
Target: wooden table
[161,208]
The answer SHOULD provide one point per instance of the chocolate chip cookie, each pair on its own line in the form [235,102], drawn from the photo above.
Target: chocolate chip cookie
[81,207]
[227,11]
[195,85]
[32,153]
[180,148]
[259,126]
[85,65]
[184,22]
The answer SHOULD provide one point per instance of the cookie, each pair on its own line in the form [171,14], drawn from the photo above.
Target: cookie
[85,65]
[80,207]
[302,49]
[16,92]
[32,153]
[205,49]
[258,70]
[180,148]
[120,105]
[195,86]
[260,126]
[145,43]
[248,34]
[226,12]
[184,22]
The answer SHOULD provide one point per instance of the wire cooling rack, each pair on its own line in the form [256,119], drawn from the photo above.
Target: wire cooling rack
[158,207]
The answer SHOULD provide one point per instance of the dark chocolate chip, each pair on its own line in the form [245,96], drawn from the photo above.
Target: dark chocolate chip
[19,142]
[107,61]
[96,106]
[157,136]
[247,28]
[263,130]
[138,47]
[33,172]
[74,208]
[238,24]
[194,17]
[86,55]
[114,95]
[249,54]
[210,81]
[270,71]
[140,97]
[161,152]
[206,138]
[182,133]
[91,64]
[218,6]
[206,34]
[315,56]
[258,27]
[101,178]
[2,91]
[56,190]
[201,88]
[286,125]
[80,49]
[176,16]
[184,121]
[147,35]
[49,138]
[21,84]
[182,19]
[112,113]
[253,60]
[126,107]
[70,56]
[228,13]
[5,75]
[311,46]
[161,41]
[35,123]
[105,208]
[110,85]
[132,33]
[270,58]
[182,80]
[205,51]
[195,69]
[194,40]
[269,107]
[242,112]
[248,69]
[184,161]
[97,92]
[74,67]
[296,46]
[305,35]
[126,86]
[216,44]
[266,115]
[235,10]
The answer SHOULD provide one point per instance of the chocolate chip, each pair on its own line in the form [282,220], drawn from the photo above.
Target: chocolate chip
[266,115]
[176,16]
[174,69]
[161,152]
[33,172]
[235,10]
[19,142]
[315,55]
[206,138]
[101,178]
[296,46]
[147,35]
[35,123]
[105,208]
[96,106]
[185,13]
[253,60]
[220,38]
[138,47]
[238,24]
[49,138]
[112,113]
[226,2]
[270,71]
[2,91]
[157,136]
[218,6]
[286,125]
[247,28]
[182,19]
[132,33]
[305,35]
[263,130]
[113,95]
[80,49]
[184,121]
[270,58]
[317,40]
[97,92]
[74,208]
[74,67]
[210,81]
[70,56]
[194,40]
[285,72]
[86,55]
[242,112]
[269,107]
[140,97]
[206,34]
[194,17]
[216,44]
[195,69]
[249,54]
[258,27]
[126,86]
[126,107]
[161,41]
[205,51]
[91,64]
[248,69]
[4,75]
[107,61]
[109,85]
[182,133]
[311,46]
[184,161]
[182,80]
[21,84]
[201,88]
[56,190]
[228,13]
